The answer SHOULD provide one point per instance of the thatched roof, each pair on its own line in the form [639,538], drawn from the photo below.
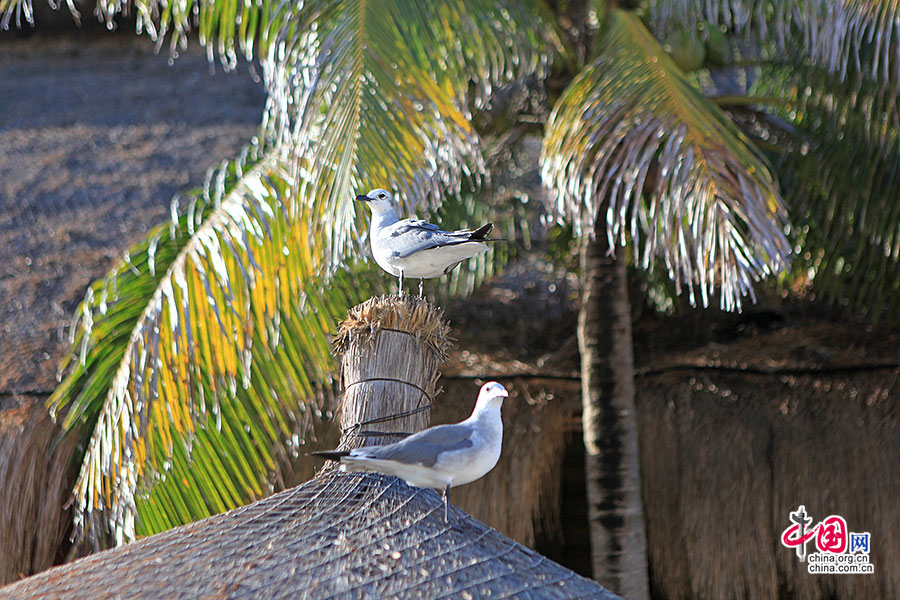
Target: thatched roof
[337,536]
[734,435]
[363,535]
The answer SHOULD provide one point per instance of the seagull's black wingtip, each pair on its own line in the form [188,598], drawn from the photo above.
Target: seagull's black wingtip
[331,454]
[482,232]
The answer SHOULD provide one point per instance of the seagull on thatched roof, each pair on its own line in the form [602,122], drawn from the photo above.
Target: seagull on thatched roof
[416,248]
[439,457]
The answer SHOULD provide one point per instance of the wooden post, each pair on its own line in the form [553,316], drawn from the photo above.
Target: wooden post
[390,349]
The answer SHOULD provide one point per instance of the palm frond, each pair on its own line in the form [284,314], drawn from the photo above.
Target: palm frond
[198,357]
[511,225]
[506,202]
[205,351]
[631,135]
[374,95]
[208,346]
[842,36]
[226,29]
[21,12]
[842,184]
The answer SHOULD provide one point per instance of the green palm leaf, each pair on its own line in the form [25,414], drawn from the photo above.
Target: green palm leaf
[188,405]
[632,137]
[842,182]
[842,36]
[376,97]
[196,359]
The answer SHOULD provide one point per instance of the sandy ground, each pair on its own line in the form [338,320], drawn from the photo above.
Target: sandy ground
[96,135]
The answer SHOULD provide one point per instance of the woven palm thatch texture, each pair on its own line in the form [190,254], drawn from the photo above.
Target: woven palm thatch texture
[337,536]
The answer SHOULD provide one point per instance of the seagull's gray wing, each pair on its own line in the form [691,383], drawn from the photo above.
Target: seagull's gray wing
[423,448]
[414,235]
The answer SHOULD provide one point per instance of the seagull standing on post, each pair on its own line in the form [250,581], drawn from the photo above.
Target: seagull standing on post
[416,248]
[439,457]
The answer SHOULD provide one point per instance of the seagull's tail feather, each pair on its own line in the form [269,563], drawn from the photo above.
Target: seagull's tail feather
[332,454]
[482,232]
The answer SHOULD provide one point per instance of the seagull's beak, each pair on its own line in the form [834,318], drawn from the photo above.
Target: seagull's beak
[363,198]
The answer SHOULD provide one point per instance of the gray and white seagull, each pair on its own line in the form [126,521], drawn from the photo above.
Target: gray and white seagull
[439,457]
[416,248]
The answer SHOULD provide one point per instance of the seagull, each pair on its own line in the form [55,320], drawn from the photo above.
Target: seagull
[439,457]
[417,248]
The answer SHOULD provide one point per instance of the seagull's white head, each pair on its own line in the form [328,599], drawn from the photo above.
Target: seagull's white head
[491,395]
[380,201]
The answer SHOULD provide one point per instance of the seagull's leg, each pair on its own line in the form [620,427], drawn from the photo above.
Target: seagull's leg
[447,503]
[421,287]
[400,290]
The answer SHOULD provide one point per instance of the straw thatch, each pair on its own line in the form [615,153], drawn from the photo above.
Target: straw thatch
[409,314]
[734,437]
[515,331]
[34,486]
[390,349]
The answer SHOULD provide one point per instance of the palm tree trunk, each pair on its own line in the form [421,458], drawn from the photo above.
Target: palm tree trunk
[612,461]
